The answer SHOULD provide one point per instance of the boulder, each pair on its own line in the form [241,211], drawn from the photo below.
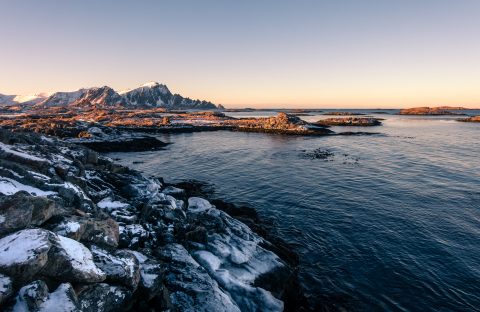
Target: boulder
[35,297]
[151,276]
[132,235]
[6,288]
[21,210]
[31,296]
[120,267]
[103,298]
[32,252]
[188,285]
[25,253]
[101,232]
[198,204]
[69,260]
[174,191]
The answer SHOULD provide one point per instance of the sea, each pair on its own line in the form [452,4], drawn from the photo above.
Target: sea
[382,222]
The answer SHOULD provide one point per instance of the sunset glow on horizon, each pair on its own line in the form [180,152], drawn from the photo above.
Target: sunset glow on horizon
[263,54]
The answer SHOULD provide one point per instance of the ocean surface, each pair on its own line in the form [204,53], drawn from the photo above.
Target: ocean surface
[390,222]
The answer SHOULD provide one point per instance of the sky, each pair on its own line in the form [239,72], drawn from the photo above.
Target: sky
[251,53]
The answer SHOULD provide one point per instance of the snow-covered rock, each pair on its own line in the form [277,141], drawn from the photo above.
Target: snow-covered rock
[189,286]
[151,275]
[103,298]
[132,235]
[121,267]
[26,253]
[36,297]
[180,257]
[233,256]
[197,204]
[101,232]
[72,261]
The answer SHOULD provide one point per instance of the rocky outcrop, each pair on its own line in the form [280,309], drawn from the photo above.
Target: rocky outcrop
[442,110]
[350,121]
[470,119]
[91,235]
[335,113]
[282,123]
[111,130]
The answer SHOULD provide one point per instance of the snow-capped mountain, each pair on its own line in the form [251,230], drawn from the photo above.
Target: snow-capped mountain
[151,94]
[22,99]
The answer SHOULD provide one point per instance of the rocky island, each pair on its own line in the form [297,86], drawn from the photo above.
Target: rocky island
[350,121]
[470,119]
[440,110]
[81,232]
[343,114]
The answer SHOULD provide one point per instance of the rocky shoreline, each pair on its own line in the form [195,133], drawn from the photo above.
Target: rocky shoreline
[77,124]
[85,234]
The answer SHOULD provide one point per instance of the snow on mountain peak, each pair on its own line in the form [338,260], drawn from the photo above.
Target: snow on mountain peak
[150,94]
[151,84]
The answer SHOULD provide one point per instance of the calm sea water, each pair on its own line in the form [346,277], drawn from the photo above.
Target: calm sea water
[391,222]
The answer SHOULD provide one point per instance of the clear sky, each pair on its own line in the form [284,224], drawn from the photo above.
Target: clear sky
[260,53]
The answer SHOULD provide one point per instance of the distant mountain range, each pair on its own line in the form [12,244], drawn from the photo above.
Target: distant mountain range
[149,95]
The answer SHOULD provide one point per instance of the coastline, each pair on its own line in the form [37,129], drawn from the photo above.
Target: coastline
[100,235]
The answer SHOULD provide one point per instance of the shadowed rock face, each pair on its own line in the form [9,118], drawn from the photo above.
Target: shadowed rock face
[91,235]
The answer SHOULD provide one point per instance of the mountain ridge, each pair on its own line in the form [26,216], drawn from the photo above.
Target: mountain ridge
[149,95]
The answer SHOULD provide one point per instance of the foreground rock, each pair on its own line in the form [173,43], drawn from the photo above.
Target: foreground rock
[350,121]
[85,234]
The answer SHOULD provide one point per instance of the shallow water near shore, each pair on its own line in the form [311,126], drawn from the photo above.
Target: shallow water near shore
[390,222]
